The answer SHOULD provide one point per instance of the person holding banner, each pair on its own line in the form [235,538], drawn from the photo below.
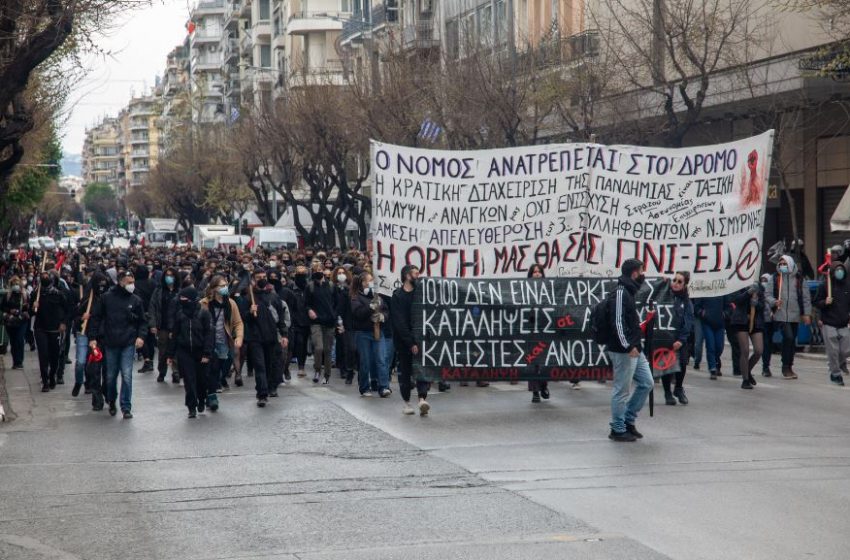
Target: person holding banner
[625,351]
[405,345]
[683,320]
[833,299]
[789,296]
[747,323]
[368,311]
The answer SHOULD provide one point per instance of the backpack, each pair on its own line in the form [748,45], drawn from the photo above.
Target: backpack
[600,323]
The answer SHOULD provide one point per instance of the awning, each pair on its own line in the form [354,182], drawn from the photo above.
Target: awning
[840,220]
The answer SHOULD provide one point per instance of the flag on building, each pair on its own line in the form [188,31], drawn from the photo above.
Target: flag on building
[429,131]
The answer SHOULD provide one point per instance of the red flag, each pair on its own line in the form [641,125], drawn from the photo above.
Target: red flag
[250,245]
[824,268]
[60,260]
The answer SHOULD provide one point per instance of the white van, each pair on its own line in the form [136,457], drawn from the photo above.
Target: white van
[275,238]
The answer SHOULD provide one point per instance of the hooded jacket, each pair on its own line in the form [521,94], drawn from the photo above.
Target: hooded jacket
[91,292]
[795,296]
[743,301]
[836,314]
[625,322]
[193,330]
[163,303]
[144,285]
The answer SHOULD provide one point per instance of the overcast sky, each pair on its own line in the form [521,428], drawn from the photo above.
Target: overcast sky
[140,42]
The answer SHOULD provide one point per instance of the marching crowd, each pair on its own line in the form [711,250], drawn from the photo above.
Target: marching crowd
[212,318]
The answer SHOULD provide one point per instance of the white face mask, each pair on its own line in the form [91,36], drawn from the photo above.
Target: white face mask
[130,288]
[273,264]
[341,278]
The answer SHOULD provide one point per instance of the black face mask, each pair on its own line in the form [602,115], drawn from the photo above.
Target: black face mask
[262,284]
[188,306]
[641,279]
[301,280]
[45,282]
[101,288]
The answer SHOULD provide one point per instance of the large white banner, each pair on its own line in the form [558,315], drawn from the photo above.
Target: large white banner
[575,209]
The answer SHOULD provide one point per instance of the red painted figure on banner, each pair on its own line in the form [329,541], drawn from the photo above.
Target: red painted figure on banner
[752,182]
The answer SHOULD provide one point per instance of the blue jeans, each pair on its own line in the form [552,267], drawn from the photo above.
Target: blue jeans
[120,359]
[624,410]
[82,356]
[373,361]
[714,341]
[698,342]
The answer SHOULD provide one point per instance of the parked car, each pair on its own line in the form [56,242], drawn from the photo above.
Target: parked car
[34,243]
[47,243]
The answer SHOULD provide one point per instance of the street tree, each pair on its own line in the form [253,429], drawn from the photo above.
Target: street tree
[100,200]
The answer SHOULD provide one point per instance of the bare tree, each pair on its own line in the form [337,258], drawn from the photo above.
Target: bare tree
[669,51]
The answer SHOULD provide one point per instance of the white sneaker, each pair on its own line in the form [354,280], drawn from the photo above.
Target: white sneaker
[366,394]
[407,410]
[576,386]
[424,407]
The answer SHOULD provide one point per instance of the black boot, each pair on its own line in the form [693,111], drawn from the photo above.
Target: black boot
[535,397]
[679,393]
[76,390]
[668,398]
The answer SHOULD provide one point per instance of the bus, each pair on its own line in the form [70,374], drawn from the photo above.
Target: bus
[69,229]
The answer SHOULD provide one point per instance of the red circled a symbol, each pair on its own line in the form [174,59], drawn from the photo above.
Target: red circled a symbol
[663,359]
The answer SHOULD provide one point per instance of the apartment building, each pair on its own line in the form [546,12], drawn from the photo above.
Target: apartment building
[102,157]
[174,96]
[139,125]
[206,60]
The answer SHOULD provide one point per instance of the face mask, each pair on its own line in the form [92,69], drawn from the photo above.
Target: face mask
[262,284]
[17,288]
[273,264]
[169,280]
[341,278]
[300,280]
[224,291]
[839,274]
[367,290]
[640,279]
[130,288]
[101,288]
[45,282]
[783,269]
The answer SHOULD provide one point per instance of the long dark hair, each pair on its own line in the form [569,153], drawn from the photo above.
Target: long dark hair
[687,276]
[536,268]
[358,283]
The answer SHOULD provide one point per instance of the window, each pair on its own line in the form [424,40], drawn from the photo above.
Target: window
[452,39]
[345,6]
[266,56]
[265,9]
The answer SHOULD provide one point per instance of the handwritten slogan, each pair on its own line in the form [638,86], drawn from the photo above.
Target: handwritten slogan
[577,210]
[523,329]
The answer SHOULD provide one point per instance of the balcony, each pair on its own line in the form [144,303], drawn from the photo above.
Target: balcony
[262,29]
[139,125]
[279,42]
[202,36]
[139,141]
[206,65]
[304,22]
[231,16]
[332,74]
[245,9]
[208,7]
[420,36]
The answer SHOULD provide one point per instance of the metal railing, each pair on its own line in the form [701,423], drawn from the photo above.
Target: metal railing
[420,35]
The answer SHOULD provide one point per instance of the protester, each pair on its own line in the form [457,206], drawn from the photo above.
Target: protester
[768,331]
[145,289]
[712,313]
[119,325]
[300,319]
[368,311]
[161,315]
[192,340]
[788,295]
[747,323]
[539,389]
[407,346]
[346,353]
[321,310]
[50,308]
[833,299]
[97,286]
[683,322]
[266,321]
[625,351]
[229,333]
[16,318]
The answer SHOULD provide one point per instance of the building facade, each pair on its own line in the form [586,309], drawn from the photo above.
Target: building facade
[102,160]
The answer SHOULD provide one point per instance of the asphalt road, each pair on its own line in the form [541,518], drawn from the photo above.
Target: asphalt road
[324,474]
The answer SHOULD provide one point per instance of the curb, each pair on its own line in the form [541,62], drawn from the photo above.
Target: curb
[7,414]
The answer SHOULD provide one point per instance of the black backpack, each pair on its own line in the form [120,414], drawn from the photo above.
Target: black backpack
[600,323]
